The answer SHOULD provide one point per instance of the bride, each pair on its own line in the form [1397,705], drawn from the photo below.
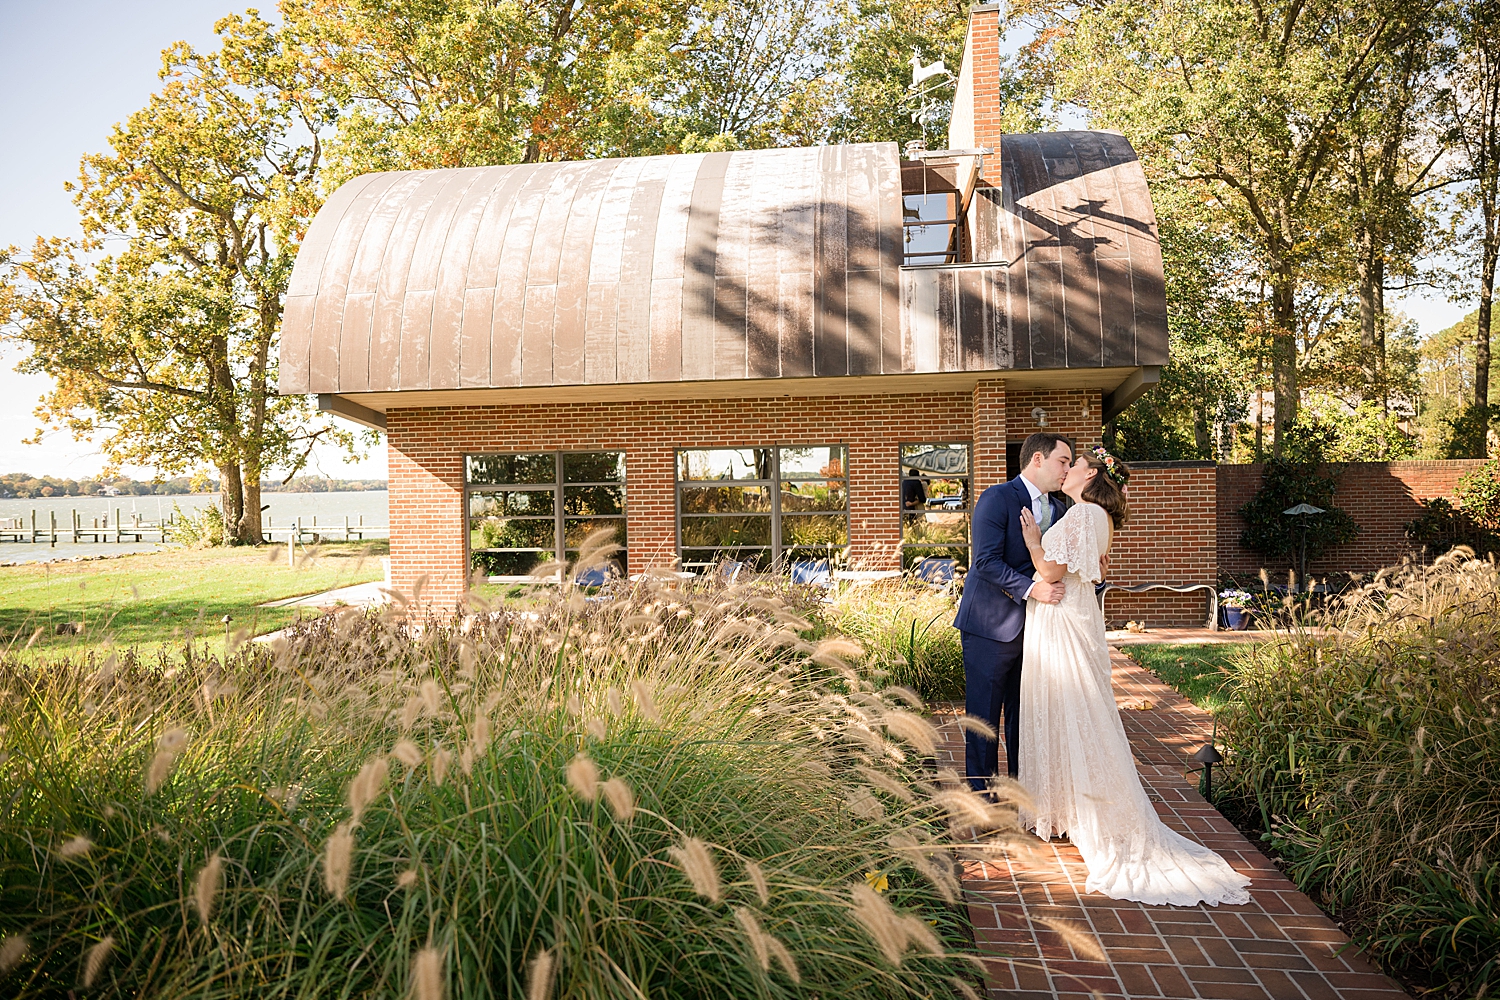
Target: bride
[1075,758]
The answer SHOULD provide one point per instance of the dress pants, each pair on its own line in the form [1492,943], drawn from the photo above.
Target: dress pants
[992,690]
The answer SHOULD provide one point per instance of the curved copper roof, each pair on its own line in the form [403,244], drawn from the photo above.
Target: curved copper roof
[778,263]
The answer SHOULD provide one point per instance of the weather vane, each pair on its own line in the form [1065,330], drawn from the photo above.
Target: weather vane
[927,81]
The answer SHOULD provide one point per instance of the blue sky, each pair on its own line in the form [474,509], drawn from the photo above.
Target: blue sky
[70,70]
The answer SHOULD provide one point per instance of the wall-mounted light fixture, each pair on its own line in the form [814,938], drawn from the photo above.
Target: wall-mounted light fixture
[1040,416]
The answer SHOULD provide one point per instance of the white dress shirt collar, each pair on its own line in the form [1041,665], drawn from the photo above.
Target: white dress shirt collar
[1031,488]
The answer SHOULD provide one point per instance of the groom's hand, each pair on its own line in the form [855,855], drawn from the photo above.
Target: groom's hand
[1047,593]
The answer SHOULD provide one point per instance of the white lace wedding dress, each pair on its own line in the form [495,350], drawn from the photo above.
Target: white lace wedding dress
[1075,757]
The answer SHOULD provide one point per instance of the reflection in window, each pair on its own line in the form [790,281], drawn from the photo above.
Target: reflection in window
[532,508]
[763,507]
[935,504]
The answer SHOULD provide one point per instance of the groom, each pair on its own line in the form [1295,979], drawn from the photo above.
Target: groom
[992,614]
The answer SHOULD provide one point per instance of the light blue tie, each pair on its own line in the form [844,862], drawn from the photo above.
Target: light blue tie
[1045,520]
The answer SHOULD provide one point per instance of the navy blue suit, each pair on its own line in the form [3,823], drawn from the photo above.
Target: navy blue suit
[992,616]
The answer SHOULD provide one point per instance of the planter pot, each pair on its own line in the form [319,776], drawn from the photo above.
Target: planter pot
[1238,619]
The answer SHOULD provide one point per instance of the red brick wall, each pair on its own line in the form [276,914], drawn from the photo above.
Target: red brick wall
[1073,413]
[990,428]
[1380,496]
[984,67]
[427,447]
[1170,538]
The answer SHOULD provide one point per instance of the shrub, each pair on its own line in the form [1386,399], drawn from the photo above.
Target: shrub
[658,795]
[1441,526]
[1369,756]
[201,530]
[1478,495]
[1280,536]
[907,628]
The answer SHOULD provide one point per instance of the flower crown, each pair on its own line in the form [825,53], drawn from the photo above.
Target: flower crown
[1111,469]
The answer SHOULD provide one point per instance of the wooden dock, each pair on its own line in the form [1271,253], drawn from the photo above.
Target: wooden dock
[39,531]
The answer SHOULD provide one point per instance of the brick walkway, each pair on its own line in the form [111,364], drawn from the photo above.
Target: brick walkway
[1279,946]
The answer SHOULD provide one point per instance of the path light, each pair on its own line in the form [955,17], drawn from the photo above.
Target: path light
[1208,757]
[226,620]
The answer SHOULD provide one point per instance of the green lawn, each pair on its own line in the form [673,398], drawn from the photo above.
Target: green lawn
[164,597]
[1200,673]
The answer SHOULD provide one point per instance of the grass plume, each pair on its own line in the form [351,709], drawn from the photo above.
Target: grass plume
[338,857]
[539,976]
[697,863]
[427,974]
[206,887]
[583,778]
[94,960]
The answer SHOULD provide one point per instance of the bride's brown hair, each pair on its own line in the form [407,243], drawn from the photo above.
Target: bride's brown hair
[1107,488]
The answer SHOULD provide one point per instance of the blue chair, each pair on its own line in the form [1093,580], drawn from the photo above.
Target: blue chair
[935,572]
[814,572]
[597,576]
[729,571]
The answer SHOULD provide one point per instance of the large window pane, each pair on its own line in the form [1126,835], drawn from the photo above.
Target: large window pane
[935,503]
[815,529]
[726,499]
[594,467]
[798,506]
[726,530]
[511,503]
[935,459]
[813,496]
[812,463]
[935,529]
[751,560]
[514,533]
[509,563]
[515,518]
[575,530]
[507,470]
[724,463]
[584,500]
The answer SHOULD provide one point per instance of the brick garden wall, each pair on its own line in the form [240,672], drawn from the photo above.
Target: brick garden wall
[1171,538]
[1381,497]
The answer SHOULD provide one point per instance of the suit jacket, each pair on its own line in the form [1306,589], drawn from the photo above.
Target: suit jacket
[1000,569]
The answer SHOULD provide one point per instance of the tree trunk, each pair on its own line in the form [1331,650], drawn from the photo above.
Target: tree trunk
[1489,251]
[250,521]
[1201,436]
[1371,341]
[1283,356]
[232,500]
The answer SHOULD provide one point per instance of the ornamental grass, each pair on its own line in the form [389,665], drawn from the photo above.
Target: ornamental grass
[908,627]
[663,794]
[1368,753]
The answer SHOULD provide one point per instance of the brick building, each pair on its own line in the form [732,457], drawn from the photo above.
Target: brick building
[771,357]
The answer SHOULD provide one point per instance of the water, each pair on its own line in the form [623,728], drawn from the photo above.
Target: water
[285,508]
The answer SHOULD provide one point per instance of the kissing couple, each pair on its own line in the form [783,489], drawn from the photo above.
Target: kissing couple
[1036,668]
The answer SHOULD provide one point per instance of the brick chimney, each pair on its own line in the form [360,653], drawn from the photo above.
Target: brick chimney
[976,100]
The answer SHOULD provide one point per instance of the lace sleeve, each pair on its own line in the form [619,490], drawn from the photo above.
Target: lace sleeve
[1075,542]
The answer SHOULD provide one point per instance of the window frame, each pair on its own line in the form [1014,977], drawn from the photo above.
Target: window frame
[558,487]
[968,508]
[773,484]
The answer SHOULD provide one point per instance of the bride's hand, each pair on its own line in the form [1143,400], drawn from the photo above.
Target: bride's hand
[1030,530]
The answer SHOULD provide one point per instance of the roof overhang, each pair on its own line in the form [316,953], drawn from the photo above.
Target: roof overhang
[370,408]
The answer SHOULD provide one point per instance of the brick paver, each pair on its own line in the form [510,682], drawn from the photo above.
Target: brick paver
[1044,938]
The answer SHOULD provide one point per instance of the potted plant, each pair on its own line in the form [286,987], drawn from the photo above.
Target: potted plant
[1236,605]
